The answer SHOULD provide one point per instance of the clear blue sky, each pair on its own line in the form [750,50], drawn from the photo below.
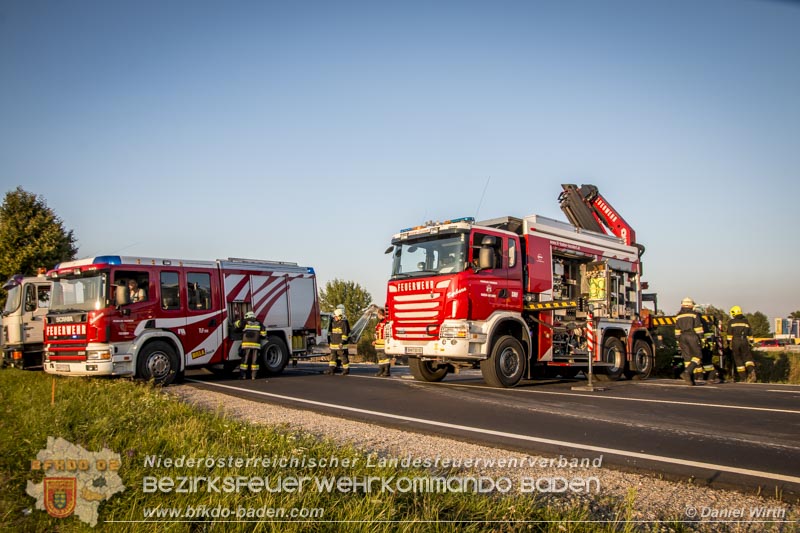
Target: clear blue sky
[312,131]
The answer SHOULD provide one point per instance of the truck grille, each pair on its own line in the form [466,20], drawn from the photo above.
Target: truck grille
[417,316]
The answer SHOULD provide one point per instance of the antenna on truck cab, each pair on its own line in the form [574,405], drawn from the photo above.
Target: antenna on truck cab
[482,195]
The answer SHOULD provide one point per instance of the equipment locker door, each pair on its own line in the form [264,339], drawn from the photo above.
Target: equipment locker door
[270,299]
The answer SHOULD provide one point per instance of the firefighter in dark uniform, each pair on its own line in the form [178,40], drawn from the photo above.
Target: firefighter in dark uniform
[252,332]
[689,330]
[384,362]
[741,334]
[340,329]
[711,369]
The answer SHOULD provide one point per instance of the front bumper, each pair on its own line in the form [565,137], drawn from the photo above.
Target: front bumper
[89,368]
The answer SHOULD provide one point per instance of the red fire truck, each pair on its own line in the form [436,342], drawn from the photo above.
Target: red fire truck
[517,296]
[181,317]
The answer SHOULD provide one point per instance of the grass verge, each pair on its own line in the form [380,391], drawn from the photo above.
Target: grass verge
[137,421]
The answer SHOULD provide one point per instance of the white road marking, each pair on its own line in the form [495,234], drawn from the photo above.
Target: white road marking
[605,397]
[517,436]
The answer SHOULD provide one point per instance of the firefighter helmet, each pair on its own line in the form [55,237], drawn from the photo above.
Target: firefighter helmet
[736,310]
[687,302]
[338,312]
[249,315]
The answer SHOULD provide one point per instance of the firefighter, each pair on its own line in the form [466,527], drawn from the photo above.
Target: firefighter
[384,362]
[711,369]
[253,330]
[688,331]
[340,329]
[137,294]
[741,334]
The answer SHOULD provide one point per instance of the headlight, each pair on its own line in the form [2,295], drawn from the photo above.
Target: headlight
[102,355]
[454,332]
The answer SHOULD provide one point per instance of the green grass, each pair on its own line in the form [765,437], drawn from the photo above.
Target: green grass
[136,420]
[777,366]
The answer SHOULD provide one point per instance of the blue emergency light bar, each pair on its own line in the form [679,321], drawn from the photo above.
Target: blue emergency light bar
[108,260]
[99,260]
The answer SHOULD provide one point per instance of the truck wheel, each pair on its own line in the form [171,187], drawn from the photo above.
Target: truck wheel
[506,365]
[642,362]
[425,371]
[613,353]
[157,361]
[274,356]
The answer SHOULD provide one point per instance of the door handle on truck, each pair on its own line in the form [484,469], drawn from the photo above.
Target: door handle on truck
[503,293]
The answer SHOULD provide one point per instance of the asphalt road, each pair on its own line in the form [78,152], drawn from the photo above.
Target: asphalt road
[731,435]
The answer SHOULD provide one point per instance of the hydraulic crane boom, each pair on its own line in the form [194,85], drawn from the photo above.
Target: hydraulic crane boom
[587,209]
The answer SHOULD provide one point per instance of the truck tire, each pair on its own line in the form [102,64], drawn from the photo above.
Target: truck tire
[425,371]
[159,362]
[614,353]
[506,365]
[274,356]
[642,361]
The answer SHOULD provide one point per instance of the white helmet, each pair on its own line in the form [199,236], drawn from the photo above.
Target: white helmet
[687,302]
[338,312]
[249,315]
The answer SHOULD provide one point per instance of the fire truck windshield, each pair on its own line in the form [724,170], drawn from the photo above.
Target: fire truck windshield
[431,256]
[13,300]
[79,294]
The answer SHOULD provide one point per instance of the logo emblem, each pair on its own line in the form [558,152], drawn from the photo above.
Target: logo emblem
[74,480]
[60,495]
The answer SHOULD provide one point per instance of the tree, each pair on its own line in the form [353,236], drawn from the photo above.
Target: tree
[759,324]
[348,293]
[795,315]
[721,315]
[31,236]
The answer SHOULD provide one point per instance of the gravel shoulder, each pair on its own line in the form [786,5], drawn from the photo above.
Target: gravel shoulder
[646,499]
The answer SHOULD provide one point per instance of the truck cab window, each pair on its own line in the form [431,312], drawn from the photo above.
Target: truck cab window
[137,282]
[170,291]
[490,247]
[198,288]
[43,296]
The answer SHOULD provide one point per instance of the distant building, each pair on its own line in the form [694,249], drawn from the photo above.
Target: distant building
[787,328]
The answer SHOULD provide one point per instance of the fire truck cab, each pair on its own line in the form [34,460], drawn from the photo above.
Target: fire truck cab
[27,303]
[182,315]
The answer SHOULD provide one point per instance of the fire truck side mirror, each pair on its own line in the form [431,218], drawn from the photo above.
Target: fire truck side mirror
[122,296]
[486,258]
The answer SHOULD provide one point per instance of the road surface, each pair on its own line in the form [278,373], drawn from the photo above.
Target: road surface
[731,435]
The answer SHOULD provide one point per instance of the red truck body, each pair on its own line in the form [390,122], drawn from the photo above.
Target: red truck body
[518,297]
[184,318]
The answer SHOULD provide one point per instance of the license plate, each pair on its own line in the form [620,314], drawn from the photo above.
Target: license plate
[413,350]
[62,368]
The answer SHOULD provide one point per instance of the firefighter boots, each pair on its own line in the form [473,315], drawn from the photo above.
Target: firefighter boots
[751,374]
[716,377]
[346,372]
[688,374]
[383,372]
[243,374]
[329,371]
